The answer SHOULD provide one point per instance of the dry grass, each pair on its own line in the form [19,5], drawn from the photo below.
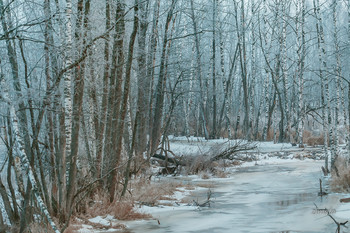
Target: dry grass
[122,210]
[37,227]
[220,173]
[189,187]
[206,185]
[204,175]
[152,192]
[73,228]
[314,141]
[200,164]
[238,134]
[307,134]
[311,139]
[165,198]
[270,134]
[77,225]
[341,183]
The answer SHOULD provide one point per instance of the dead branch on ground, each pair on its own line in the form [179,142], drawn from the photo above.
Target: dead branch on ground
[335,221]
[229,152]
[206,203]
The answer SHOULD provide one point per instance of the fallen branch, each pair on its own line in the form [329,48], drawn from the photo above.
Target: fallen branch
[239,147]
[335,221]
[169,160]
[206,203]
[344,200]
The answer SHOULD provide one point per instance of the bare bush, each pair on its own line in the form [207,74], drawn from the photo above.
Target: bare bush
[35,227]
[122,210]
[200,164]
[341,183]
[151,193]
[312,138]
[204,175]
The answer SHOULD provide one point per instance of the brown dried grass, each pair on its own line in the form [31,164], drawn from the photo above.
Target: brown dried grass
[204,176]
[238,134]
[220,173]
[150,193]
[270,134]
[206,185]
[36,227]
[120,209]
[314,141]
[73,228]
[307,134]
[311,139]
[341,183]
[200,164]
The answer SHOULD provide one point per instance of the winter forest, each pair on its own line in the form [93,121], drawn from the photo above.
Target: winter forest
[95,93]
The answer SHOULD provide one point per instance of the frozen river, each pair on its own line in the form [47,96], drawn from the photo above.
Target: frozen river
[264,198]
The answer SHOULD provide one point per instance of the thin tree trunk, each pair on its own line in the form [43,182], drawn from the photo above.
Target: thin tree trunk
[199,72]
[214,70]
[101,132]
[121,121]
[158,111]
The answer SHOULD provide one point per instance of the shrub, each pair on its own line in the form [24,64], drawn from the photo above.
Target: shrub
[200,164]
[120,209]
[341,183]
[311,139]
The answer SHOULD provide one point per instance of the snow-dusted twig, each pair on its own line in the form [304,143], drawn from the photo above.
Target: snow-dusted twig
[206,203]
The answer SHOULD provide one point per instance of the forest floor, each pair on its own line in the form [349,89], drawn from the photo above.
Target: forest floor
[274,189]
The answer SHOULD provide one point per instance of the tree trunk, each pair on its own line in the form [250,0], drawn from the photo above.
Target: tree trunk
[158,111]
[199,72]
[121,121]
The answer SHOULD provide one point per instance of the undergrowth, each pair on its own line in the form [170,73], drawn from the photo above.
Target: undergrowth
[340,181]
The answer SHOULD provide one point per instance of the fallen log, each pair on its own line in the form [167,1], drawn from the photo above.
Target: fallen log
[345,200]
[175,161]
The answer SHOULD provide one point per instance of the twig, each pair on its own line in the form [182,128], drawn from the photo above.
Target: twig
[321,193]
[335,221]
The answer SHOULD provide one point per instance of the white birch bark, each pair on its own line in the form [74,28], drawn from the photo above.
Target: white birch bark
[334,146]
[68,103]
[21,158]
[301,61]
[325,97]
[285,73]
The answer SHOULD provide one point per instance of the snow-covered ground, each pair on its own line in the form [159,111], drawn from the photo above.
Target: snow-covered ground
[199,146]
[276,192]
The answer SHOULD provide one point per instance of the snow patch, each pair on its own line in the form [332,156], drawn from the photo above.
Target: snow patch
[100,220]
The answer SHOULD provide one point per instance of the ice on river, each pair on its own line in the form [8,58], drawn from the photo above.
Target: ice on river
[268,198]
